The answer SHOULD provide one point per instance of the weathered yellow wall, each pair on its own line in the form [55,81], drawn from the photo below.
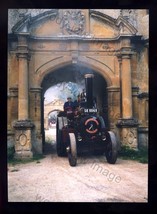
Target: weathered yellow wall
[46,55]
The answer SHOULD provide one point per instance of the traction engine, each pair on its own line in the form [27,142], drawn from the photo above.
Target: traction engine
[82,129]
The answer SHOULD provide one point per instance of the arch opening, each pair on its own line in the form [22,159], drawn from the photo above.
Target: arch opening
[67,81]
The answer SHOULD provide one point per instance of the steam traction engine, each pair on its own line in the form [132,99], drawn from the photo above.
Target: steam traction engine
[82,129]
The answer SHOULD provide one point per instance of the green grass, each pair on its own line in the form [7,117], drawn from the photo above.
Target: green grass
[130,154]
[10,152]
[36,158]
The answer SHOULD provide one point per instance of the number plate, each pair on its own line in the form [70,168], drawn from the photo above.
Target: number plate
[90,110]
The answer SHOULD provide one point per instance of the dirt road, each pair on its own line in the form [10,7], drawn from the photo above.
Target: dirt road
[93,180]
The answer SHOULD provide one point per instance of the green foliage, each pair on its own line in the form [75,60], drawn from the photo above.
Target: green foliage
[35,157]
[10,152]
[140,155]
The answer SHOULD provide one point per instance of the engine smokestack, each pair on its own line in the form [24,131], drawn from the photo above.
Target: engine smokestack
[89,89]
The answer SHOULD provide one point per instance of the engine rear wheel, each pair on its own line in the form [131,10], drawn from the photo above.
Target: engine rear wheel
[112,150]
[72,153]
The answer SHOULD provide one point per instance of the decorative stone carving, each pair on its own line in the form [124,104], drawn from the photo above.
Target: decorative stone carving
[125,13]
[130,137]
[128,131]
[129,15]
[23,139]
[74,21]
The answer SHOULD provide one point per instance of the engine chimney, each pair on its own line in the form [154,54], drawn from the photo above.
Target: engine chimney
[89,89]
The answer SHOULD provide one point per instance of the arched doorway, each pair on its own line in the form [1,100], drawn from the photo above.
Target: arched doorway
[52,118]
[69,80]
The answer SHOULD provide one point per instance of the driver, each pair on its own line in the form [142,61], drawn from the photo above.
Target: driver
[77,102]
[68,104]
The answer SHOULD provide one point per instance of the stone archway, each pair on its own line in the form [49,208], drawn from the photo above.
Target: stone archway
[52,118]
[75,73]
[39,45]
[49,108]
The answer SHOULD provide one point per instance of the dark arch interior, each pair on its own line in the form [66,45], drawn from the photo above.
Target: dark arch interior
[75,74]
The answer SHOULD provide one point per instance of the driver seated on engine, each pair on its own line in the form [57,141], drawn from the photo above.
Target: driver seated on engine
[77,104]
[69,107]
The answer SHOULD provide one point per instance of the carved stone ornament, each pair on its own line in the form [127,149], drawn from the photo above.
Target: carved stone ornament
[23,139]
[74,21]
[131,137]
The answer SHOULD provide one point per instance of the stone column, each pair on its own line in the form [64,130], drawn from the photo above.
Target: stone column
[126,88]
[23,127]
[23,139]
[143,120]
[127,124]
[113,105]
[12,114]
[22,56]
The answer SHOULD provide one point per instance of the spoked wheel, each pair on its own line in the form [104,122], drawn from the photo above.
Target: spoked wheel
[72,153]
[111,150]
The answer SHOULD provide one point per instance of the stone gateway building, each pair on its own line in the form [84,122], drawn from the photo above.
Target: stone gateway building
[50,46]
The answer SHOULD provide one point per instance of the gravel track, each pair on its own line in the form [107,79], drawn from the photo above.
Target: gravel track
[51,179]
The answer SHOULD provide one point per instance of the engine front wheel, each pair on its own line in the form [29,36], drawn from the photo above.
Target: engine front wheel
[111,150]
[60,146]
[61,152]
[72,153]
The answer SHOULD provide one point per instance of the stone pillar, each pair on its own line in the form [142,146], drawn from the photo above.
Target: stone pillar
[12,114]
[127,124]
[113,106]
[128,132]
[22,56]
[143,120]
[126,87]
[23,127]
[23,139]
